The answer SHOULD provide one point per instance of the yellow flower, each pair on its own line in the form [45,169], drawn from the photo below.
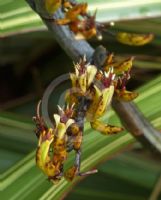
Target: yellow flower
[43,160]
[83,76]
[61,126]
[101,100]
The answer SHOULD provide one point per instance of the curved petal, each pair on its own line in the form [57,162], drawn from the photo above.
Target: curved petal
[104,101]
[57,119]
[108,94]
[82,82]
[73,78]
[98,92]
[91,72]
[61,130]
[69,122]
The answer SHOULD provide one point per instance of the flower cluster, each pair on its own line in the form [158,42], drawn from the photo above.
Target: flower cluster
[80,22]
[85,26]
[96,88]
[55,144]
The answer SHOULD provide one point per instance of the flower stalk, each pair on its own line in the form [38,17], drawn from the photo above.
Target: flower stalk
[66,38]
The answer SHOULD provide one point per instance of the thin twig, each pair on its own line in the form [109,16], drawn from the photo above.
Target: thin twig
[129,114]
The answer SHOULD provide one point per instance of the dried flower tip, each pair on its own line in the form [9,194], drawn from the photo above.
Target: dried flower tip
[88,172]
[38,109]
[60,110]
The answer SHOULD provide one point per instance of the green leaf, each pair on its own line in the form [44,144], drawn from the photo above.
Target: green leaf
[128,176]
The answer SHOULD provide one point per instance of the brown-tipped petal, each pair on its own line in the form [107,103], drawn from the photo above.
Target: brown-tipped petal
[109,59]
[71,173]
[134,39]
[77,10]
[52,5]
[74,128]
[49,169]
[125,95]
[99,75]
[120,68]
[105,129]
[104,101]
[67,5]
[43,160]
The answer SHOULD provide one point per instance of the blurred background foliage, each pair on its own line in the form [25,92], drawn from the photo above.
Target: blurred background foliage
[30,59]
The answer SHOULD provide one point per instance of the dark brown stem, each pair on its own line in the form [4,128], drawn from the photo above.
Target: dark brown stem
[129,114]
[138,125]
